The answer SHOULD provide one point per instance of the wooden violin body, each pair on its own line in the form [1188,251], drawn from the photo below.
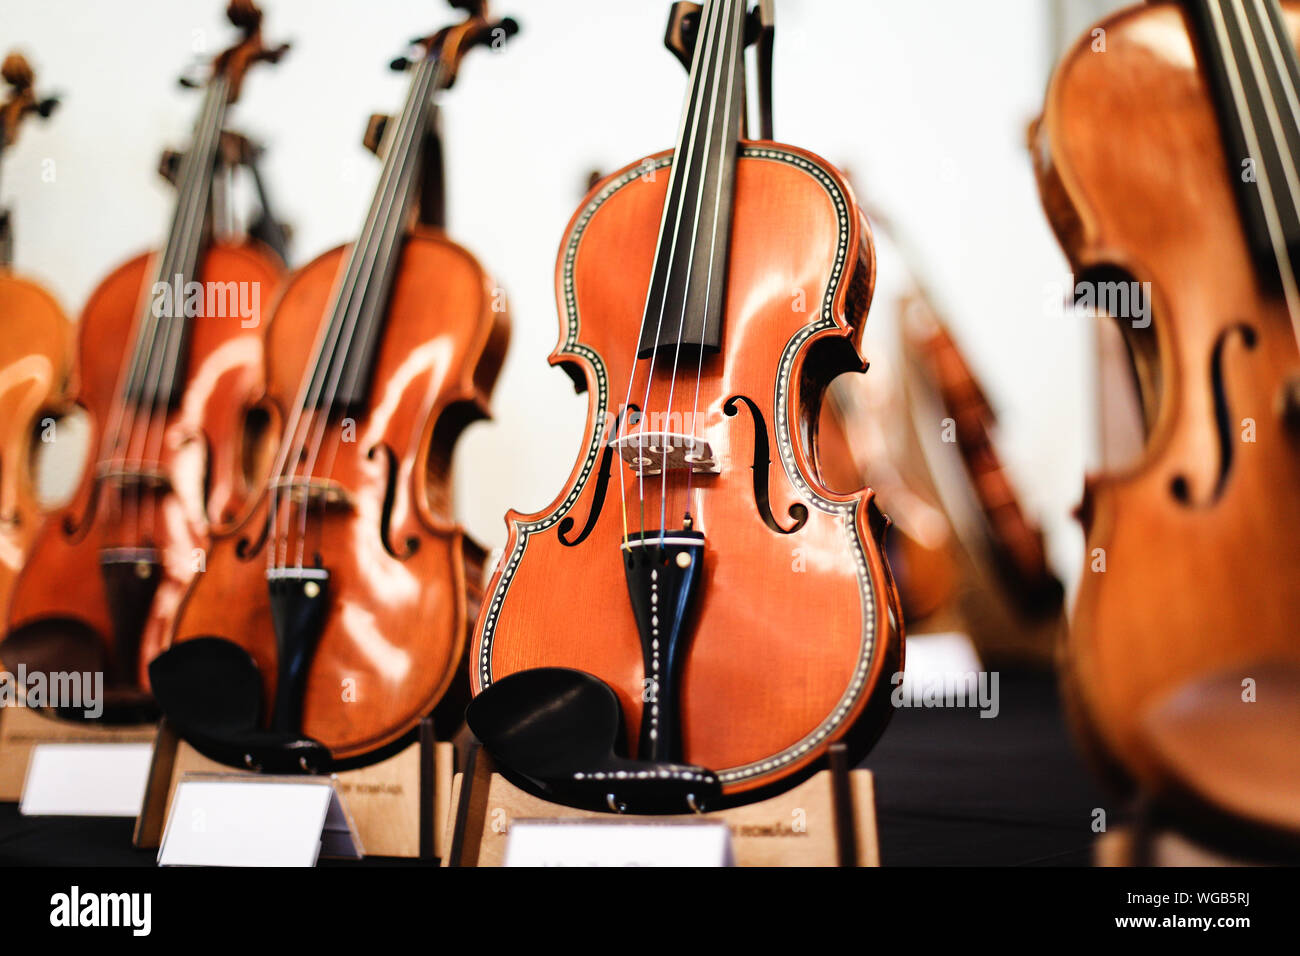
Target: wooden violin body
[73,607]
[1193,551]
[168,364]
[396,623]
[35,346]
[796,629]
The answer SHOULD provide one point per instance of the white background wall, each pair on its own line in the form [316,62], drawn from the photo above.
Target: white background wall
[925,102]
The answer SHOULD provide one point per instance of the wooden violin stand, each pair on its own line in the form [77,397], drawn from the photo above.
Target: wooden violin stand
[1153,840]
[22,729]
[398,804]
[828,820]
[1221,776]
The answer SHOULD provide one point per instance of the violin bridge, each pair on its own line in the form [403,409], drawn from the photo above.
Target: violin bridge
[651,453]
[314,491]
[127,476]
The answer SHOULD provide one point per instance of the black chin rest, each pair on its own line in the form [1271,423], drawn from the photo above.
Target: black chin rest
[210,690]
[561,730]
[53,645]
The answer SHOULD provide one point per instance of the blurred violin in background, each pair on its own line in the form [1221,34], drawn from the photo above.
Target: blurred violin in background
[1168,170]
[332,619]
[168,365]
[921,432]
[35,346]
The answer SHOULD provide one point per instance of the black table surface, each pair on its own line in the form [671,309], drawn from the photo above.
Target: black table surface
[952,788]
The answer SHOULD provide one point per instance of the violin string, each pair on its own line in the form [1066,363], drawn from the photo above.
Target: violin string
[327,339]
[1278,129]
[187,261]
[327,334]
[389,245]
[1268,201]
[148,347]
[190,207]
[1281,65]
[309,408]
[722,60]
[708,288]
[684,168]
[705,20]
[135,361]
[399,196]
[130,371]
[1260,73]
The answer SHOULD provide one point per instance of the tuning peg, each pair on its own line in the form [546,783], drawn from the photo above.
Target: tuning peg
[509,25]
[414,54]
[169,164]
[193,77]
[274,54]
[375,129]
[46,106]
[494,34]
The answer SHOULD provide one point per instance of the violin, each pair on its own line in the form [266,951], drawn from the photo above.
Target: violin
[863,438]
[740,613]
[168,363]
[965,552]
[35,345]
[1167,169]
[341,604]
[1012,543]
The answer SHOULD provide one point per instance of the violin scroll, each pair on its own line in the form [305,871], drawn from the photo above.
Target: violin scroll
[450,44]
[234,63]
[18,73]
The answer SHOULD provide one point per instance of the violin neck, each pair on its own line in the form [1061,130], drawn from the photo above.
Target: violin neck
[6,228]
[158,364]
[345,353]
[687,286]
[1253,74]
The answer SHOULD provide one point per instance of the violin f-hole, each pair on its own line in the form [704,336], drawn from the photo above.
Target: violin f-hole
[1180,487]
[602,484]
[411,544]
[248,548]
[762,462]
